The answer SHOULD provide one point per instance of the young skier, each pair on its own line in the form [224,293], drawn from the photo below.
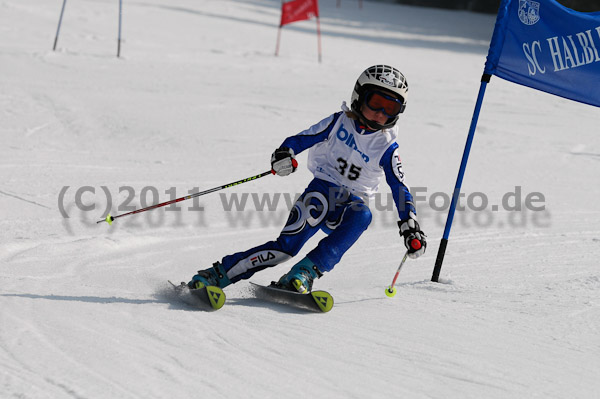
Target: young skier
[350,151]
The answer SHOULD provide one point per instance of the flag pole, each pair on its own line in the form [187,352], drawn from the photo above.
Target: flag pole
[485,79]
[279,31]
[278,38]
[62,11]
[120,18]
[319,37]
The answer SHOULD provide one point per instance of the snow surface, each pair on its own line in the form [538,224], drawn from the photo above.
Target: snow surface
[198,100]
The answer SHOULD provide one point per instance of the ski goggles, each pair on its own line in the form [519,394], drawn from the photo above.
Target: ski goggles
[378,101]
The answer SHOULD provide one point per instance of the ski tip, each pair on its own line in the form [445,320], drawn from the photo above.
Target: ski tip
[323,300]
[216,296]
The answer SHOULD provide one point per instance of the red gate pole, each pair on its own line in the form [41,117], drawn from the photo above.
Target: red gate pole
[319,37]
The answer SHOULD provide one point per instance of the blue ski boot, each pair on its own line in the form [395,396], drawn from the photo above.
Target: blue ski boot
[215,276]
[300,277]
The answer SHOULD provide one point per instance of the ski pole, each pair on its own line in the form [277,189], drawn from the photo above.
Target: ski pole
[109,219]
[391,290]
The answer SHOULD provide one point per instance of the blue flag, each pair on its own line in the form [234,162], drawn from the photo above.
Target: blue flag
[548,47]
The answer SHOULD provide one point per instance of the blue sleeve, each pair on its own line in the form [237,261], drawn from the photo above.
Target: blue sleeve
[394,176]
[311,136]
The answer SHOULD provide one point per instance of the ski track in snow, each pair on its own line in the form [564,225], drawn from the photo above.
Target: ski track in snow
[197,100]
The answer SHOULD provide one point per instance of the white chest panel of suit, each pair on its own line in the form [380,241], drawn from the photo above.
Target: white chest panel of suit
[351,159]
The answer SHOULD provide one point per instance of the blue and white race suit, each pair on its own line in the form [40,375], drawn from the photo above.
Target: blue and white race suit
[348,163]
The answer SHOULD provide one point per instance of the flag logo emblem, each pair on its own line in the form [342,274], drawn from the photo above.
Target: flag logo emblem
[529,12]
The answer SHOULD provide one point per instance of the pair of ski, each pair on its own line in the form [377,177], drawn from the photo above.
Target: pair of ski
[213,298]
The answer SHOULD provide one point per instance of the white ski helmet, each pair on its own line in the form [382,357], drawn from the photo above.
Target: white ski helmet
[379,77]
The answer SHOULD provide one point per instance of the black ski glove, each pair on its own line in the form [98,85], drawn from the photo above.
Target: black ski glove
[283,162]
[414,238]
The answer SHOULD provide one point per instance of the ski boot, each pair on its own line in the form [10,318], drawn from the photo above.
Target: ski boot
[215,276]
[300,277]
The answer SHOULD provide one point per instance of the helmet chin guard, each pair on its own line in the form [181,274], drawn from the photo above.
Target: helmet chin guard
[379,77]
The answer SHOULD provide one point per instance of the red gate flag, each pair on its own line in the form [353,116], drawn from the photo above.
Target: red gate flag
[298,10]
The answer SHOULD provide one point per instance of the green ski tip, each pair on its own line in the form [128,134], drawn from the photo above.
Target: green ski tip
[323,300]
[216,297]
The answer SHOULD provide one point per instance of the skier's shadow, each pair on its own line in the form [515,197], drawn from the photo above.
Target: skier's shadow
[257,303]
[88,299]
